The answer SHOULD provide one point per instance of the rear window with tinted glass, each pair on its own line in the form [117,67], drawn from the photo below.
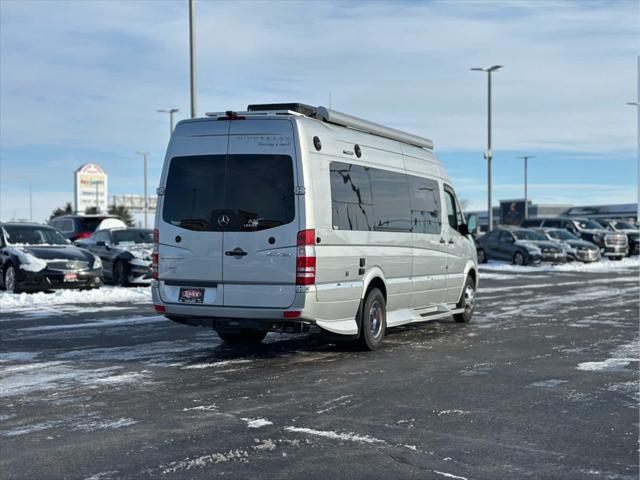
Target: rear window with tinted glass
[229,193]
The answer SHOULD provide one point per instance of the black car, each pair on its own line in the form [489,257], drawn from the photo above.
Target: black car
[38,257]
[575,248]
[125,254]
[78,227]
[502,244]
[629,229]
[611,244]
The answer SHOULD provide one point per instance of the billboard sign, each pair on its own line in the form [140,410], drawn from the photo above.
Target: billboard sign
[512,212]
[90,188]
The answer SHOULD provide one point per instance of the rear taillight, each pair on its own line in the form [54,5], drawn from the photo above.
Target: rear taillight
[306,258]
[83,235]
[154,254]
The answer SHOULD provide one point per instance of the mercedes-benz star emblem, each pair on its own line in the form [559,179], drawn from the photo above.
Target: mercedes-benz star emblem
[223,220]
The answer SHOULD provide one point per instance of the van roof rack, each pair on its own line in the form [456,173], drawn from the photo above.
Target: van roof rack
[332,116]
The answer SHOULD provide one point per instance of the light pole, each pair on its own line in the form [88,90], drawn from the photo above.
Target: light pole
[28,180]
[146,199]
[488,155]
[192,56]
[171,111]
[526,202]
[637,105]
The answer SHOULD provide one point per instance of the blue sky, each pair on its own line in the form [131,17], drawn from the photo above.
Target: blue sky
[81,82]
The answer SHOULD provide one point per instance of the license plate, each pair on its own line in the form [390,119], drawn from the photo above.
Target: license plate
[70,277]
[191,295]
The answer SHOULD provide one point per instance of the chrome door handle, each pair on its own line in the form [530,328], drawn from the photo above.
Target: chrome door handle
[442,240]
[236,252]
[451,242]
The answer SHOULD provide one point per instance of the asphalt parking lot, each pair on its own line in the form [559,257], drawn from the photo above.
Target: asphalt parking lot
[542,384]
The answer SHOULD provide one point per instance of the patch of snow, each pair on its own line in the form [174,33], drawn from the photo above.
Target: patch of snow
[205,460]
[264,445]
[352,437]
[106,294]
[105,424]
[102,475]
[449,475]
[257,422]
[28,262]
[223,363]
[620,358]
[202,408]
[452,412]
[548,383]
[604,265]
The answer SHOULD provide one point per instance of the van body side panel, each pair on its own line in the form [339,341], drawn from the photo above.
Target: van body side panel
[263,152]
[187,255]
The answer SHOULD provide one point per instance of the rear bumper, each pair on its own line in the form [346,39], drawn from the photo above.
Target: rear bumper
[261,318]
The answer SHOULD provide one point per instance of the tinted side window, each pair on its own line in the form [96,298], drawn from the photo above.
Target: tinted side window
[391,205]
[505,237]
[351,202]
[552,223]
[425,205]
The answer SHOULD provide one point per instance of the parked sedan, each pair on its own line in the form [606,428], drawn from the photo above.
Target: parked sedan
[125,254]
[575,248]
[38,257]
[551,251]
[501,244]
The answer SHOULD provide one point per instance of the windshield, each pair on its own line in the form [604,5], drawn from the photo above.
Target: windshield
[29,235]
[624,226]
[590,225]
[132,236]
[562,235]
[528,235]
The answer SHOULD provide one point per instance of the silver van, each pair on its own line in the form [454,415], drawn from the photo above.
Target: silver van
[287,216]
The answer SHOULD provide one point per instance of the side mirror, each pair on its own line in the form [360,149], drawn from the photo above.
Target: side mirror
[463,229]
[472,222]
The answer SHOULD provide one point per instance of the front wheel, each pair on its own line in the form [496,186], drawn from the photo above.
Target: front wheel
[246,337]
[120,274]
[373,320]
[518,259]
[9,280]
[467,302]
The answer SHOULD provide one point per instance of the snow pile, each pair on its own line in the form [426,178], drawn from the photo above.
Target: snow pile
[107,294]
[619,359]
[604,265]
[28,262]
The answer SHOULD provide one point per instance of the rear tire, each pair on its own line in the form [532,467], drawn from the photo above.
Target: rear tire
[518,259]
[467,301]
[373,321]
[245,337]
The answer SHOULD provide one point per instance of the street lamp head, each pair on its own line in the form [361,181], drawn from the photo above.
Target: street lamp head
[174,110]
[633,104]
[494,68]
[478,69]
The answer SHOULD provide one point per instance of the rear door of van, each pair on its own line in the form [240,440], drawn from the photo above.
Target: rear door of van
[259,244]
[229,214]
[190,237]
